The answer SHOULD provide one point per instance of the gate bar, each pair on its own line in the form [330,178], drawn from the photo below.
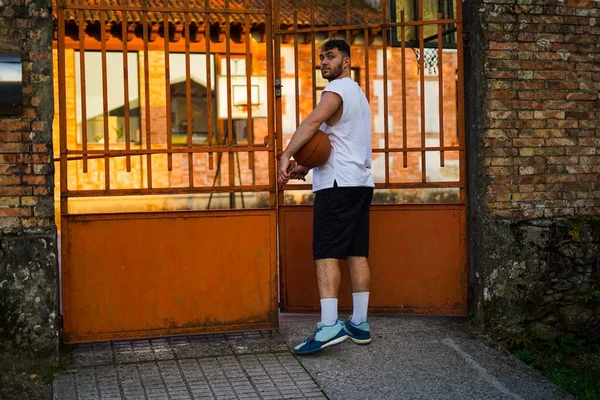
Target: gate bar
[440,51]
[188,96]
[126,86]
[209,104]
[105,98]
[83,89]
[147,98]
[386,120]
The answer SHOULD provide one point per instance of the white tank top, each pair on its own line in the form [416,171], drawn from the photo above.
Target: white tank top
[350,161]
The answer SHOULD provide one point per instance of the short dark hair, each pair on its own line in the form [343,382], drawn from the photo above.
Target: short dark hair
[339,44]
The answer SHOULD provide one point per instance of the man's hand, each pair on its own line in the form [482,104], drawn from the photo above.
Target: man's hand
[284,174]
[299,172]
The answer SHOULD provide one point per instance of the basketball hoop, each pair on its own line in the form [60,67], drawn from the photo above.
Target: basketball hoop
[430,62]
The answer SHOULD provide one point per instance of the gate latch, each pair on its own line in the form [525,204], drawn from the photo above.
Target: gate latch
[278,87]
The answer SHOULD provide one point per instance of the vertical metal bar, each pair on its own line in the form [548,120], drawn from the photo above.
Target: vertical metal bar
[270,100]
[105,99]
[147,93]
[249,120]
[296,74]
[404,123]
[422,86]
[168,89]
[209,102]
[64,193]
[230,140]
[461,98]
[126,87]
[277,73]
[441,87]
[386,130]
[275,195]
[83,95]
[313,53]
[62,115]
[348,31]
[188,94]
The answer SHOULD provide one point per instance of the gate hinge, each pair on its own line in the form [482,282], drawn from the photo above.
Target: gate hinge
[278,87]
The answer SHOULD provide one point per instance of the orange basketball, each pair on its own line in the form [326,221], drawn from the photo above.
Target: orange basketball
[315,152]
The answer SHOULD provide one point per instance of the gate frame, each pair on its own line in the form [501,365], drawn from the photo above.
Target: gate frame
[270,317]
[460,307]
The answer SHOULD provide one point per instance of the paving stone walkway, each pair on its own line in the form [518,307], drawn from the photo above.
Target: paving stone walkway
[229,366]
[420,358]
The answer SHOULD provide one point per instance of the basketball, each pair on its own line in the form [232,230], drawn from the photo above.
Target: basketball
[315,152]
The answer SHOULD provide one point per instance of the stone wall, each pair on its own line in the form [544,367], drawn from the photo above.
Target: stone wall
[534,70]
[28,254]
[543,277]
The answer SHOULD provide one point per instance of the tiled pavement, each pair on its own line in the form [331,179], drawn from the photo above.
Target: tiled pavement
[229,366]
[411,358]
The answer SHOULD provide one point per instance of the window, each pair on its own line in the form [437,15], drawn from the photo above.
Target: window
[431,9]
[115,87]
[198,97]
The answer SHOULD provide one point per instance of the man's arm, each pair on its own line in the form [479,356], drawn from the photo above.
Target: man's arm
[329,104]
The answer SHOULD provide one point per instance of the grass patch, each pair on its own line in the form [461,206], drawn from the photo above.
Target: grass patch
[568,362]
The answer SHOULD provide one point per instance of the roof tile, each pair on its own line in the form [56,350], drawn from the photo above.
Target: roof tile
[325,12]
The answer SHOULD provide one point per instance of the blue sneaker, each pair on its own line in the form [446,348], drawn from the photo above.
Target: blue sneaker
[325,335]
[360,334]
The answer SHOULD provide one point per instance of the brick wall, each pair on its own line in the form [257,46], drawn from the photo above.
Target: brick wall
[542,131]
[28,280]
[533,119]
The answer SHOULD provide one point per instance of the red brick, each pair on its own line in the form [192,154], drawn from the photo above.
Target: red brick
[561,123]
[36,223]
[579,96]
[549,114]
[578,115]
[561,105]
[533,142]
[8,137]
[530,85]
[562,160]
[9,201]
[15,212]
[502,94]
[549,75]
[531,123]
[13,147]
[549,151]
[34,180]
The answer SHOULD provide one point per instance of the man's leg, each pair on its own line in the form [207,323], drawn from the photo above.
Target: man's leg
[329,331]
[328,279]
[360,279]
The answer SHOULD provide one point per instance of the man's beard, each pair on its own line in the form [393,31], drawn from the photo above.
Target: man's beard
[334,73]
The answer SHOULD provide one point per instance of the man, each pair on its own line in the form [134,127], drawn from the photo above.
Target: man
[343,189]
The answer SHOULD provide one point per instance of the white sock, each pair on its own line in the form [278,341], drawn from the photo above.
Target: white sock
[360,302]
[329,311]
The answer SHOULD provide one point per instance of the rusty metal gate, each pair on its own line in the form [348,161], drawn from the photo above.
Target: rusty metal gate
[170,117]
[167,191]
[407,57]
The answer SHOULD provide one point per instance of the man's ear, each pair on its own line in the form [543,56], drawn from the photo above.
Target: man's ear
[346,62]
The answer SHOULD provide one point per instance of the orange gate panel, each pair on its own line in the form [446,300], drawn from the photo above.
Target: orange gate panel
[417,259]
[137,275]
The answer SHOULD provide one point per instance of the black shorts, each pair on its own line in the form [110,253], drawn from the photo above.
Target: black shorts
[341,222]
